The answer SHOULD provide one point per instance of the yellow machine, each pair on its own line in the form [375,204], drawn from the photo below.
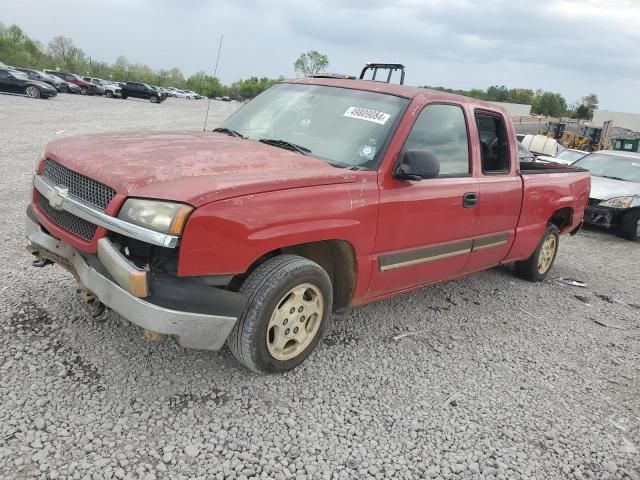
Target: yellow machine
[592,139]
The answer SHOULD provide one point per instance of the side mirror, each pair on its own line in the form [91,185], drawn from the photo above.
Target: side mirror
[417,164]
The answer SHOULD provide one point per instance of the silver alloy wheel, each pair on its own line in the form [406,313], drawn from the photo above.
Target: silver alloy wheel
[638,228]
[32,92]
[295,321]
[547,254]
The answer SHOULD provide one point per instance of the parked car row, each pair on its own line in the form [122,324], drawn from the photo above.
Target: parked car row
[48,83]
[15,81]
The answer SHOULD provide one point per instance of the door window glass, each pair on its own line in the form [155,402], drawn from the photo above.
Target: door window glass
[442,129]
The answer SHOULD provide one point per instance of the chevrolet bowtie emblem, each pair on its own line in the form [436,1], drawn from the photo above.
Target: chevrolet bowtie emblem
[57,197]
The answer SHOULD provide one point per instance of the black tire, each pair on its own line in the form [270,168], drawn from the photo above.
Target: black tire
[32,91]
[108,94]
[265,288]
[529,269]
[124,97]
[153,99]
[630,225]
[83,90]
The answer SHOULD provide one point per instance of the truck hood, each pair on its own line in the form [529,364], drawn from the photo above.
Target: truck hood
[604,188]
[190,167]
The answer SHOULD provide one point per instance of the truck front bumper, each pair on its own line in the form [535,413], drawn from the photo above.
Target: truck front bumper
[199,328]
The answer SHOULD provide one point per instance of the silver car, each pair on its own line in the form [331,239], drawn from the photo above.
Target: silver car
[614,201]
[565,157]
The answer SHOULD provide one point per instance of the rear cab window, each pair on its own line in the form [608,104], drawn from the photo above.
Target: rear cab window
[494,144]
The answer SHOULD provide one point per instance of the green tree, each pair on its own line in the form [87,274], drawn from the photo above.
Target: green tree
[66,55]
[590,103]
[548,103]
[583,112]
[311,63]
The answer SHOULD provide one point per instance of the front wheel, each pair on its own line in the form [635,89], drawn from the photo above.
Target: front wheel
[153,99]
[537,266]
[83,90]
[108,94]
[630,226]
[32,92]
[289,301]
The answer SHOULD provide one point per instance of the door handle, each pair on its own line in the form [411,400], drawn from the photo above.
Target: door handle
[470,200]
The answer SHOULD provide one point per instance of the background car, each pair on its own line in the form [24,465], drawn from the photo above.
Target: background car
[41,77]
[614,201]
[14,81]
[86,88]
[565,157]
[110,89]
[72,88]
[525,155]
[142,90]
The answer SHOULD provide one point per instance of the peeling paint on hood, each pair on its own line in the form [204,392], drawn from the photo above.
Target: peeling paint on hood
[191,167]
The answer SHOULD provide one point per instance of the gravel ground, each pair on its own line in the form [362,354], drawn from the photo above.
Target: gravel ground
[498,379]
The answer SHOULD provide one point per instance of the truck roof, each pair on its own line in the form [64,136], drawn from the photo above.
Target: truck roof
[394,89]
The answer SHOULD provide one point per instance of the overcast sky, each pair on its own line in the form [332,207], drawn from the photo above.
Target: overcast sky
[567,46]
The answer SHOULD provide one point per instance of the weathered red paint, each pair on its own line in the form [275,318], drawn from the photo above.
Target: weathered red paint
[252,199]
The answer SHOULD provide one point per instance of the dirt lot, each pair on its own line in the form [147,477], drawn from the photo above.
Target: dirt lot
[504,379]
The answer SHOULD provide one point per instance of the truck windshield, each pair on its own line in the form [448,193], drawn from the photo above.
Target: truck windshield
[611,166]
[345,127]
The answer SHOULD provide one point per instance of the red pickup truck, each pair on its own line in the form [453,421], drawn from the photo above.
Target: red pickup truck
[319,194]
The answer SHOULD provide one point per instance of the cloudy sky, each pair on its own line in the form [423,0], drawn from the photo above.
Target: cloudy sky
[568,46]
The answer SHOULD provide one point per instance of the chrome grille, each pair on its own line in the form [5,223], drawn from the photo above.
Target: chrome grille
[85,188]
[78,226]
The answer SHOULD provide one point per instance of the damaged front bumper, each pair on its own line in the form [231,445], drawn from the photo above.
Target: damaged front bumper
[200,316]
[603,216]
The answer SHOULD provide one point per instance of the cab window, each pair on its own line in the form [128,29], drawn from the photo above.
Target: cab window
[442,129]
[494,146]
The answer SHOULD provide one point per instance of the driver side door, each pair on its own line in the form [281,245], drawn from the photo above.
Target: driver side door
[425,227]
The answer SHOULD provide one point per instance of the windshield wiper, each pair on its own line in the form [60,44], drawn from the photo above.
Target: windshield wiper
[613,178]
[228,131]
[286,145]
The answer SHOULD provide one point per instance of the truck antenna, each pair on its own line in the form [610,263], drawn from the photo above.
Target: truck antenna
[215,71]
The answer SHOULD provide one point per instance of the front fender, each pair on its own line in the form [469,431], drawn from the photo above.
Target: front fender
[228,236]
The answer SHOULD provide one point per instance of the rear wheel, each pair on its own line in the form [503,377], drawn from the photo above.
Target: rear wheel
[289,301]
[537,266]
[630,226]
[32,92]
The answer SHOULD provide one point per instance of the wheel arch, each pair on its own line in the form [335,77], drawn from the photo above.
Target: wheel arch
[562,218]
[336,257]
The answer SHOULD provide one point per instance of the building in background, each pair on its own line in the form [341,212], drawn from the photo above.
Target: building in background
[515,109]
[627,121]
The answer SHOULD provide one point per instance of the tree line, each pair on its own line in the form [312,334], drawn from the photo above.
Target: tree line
[19,50]
[542,102]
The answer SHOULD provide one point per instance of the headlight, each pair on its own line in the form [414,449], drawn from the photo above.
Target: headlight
[621,202]
[164,217]
[38,161]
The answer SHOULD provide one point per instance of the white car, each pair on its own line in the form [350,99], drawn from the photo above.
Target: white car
[111,90]
[565,157]
[184,94]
